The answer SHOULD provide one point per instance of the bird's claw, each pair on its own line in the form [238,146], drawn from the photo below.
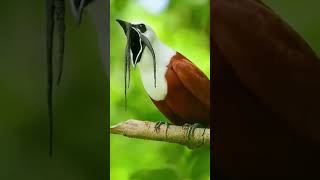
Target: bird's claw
[191,128]
[159,124]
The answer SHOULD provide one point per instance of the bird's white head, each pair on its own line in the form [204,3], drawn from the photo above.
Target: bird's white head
[139,35]
[146,30]
[144,47]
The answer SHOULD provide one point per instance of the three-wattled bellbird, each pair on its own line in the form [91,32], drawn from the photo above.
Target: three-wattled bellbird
[178,88]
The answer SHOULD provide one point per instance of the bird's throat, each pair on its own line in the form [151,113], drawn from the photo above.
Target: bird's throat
[163,56]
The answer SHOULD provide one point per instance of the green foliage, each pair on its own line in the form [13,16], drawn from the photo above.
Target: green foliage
[155,174]
[184,26]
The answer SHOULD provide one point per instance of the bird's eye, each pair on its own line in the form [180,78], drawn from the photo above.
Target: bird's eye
[142,28]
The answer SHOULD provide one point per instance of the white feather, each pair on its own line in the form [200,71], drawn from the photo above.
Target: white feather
[163,56]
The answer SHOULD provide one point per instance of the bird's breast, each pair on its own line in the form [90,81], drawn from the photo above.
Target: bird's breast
[156,91]
[163,55]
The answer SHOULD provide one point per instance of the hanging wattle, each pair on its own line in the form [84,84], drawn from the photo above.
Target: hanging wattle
[128,57]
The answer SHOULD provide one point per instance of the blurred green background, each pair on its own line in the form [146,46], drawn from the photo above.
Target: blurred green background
[184,26]
[80,102]
[303,16]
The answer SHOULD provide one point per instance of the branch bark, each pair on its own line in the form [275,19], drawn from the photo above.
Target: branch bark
[172,133]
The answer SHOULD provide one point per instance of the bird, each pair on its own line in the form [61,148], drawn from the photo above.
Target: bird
[56,17]
[265,94]
[176,86]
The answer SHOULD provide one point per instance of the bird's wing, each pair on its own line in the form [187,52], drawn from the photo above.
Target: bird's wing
[271,60]
[193,79]
[263,4]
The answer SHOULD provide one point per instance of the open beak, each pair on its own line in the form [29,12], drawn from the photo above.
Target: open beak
[132,36]
[126,28]
[139,41]
[125,25]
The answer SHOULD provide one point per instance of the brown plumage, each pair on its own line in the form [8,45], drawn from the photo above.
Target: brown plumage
[266,94]
[188,97]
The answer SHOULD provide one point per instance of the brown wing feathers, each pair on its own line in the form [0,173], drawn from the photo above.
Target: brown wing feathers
[271,60]
[266,94]
[193,79]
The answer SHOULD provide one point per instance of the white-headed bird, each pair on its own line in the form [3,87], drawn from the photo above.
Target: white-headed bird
[178,88]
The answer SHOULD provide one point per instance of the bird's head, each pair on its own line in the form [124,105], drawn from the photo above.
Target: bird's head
[139,35]
[77,7]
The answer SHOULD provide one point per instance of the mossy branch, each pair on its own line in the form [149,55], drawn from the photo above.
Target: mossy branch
[172,133]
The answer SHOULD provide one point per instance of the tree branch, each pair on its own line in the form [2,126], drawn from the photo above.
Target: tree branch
[172,133]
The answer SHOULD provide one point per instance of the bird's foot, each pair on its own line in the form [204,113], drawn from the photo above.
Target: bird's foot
[191,128]
[159,124]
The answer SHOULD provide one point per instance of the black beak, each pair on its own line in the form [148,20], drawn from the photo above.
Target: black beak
[125,25]
[77,7]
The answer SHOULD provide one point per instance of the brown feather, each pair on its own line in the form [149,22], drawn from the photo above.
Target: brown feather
[193,79]
[266,94]
[187,99]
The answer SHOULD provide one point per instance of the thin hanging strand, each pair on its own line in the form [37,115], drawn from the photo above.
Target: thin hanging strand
[128,57]
[50,35]
[60,15]
[127,66]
